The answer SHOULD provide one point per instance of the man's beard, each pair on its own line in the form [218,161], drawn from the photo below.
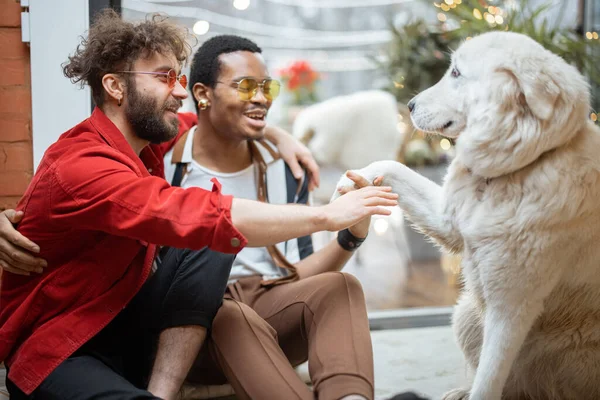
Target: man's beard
[147,119]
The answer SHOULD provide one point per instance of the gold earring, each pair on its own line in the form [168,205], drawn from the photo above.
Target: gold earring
[119,102]
[203,104]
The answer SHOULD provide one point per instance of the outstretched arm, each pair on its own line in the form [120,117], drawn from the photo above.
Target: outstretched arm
[263,224]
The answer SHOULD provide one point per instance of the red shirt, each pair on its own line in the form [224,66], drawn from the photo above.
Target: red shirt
[97,210]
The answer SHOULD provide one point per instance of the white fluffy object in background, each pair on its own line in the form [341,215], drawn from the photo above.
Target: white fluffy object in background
[351,131]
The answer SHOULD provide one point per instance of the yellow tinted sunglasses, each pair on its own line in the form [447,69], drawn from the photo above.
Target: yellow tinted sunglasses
[247,88]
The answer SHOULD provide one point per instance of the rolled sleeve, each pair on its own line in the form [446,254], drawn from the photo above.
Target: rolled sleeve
[226,238]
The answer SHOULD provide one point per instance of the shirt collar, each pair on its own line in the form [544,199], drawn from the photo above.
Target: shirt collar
[187,157]
[115,138]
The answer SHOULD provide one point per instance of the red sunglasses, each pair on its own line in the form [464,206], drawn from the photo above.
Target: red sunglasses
[170,74]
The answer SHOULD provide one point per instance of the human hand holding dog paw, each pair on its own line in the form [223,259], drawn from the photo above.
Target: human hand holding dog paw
[384,170]
[361,229]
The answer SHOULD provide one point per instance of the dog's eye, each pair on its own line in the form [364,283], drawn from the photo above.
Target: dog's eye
[455,73]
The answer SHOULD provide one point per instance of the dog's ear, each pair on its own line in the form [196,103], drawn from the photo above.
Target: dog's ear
[538,89]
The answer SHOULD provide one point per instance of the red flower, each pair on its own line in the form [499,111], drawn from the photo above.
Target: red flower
[299,78]
[293,82]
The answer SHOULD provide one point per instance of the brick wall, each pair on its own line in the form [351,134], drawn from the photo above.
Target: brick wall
[16,151]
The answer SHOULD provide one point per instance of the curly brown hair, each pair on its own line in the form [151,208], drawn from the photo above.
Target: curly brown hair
[114,45]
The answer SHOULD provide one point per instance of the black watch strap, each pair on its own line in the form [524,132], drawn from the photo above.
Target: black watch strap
[348,241]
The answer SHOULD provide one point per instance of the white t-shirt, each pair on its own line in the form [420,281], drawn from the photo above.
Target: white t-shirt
[242,184]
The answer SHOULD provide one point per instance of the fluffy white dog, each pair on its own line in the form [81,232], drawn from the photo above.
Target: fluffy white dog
[351,131]
[521,203]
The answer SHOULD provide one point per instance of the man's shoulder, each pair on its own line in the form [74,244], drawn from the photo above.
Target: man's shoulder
[83,157]
[71,164]
[74,143]
[85,145]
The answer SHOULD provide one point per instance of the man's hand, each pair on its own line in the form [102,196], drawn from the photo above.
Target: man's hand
[355,206]
[294,153]
[361,229]
[15,249]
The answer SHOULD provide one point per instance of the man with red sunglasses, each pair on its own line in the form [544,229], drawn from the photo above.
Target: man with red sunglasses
[107,318]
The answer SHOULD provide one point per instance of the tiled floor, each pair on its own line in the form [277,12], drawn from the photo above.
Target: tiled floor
[424,360]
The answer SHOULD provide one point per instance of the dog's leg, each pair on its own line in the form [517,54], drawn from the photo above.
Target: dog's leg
[422,201]
[419,198]
[468,329]
[511,308]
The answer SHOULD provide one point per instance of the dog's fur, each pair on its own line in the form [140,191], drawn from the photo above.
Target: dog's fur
[521,203]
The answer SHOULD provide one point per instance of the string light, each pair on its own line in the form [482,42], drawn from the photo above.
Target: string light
[282,44]
[441,17]
[169,1]
[499,19]
[445,7]
[338,3]
[241,4]
[495,10]
[314,3]
[445,144]
[595,35]
[477,13]
[380,226]
[594,117]
[340,38]
[279,52]
[589,35]
[489,18]
[201,27]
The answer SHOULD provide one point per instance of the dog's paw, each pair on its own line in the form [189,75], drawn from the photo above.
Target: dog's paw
[343,183]
[456,394]
[370,172]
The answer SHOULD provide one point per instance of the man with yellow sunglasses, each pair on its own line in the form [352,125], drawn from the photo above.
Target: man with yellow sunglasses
[284,304]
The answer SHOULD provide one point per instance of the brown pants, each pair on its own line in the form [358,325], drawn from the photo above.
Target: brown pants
[260,334]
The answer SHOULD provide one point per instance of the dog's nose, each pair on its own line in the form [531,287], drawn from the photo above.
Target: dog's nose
[411,105]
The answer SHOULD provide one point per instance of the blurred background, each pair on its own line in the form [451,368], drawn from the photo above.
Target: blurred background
[348,68]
